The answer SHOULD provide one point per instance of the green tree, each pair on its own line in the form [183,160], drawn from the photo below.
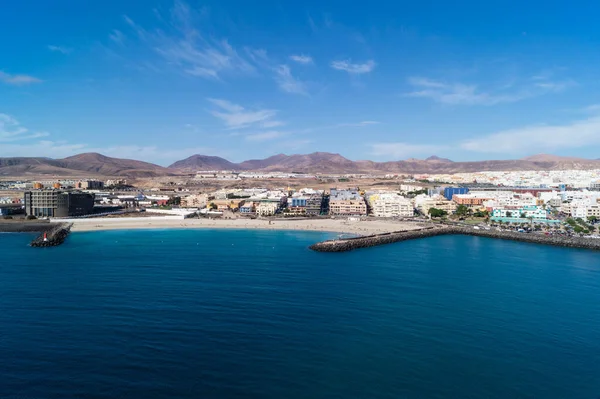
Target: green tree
[592,219]
[462,210]
[437,213]
[509,214]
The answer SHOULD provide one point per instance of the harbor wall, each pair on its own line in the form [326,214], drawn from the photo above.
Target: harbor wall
[388,238]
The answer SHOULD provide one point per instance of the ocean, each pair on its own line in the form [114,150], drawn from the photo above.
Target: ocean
[256,314]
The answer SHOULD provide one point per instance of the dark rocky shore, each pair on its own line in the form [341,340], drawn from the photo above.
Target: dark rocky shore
[388,238]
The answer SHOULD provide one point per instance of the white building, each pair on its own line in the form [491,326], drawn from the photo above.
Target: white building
[389,205]
[266,208]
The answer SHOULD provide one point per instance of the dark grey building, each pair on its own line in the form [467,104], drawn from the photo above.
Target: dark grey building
[315,205]
[58,204]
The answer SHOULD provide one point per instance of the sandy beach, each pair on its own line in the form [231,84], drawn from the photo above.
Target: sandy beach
[366,227]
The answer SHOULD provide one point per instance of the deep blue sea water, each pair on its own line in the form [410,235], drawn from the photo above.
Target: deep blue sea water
[255,314]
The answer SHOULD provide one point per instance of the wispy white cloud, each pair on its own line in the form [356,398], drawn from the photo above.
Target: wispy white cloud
[538,138]
[183,46]
[470,94]
[12,130]
[117,36]
[60,49]
[287,82]
[404,150]
[556,86]
[358,124]
[302,59]
[265,136]
[141,32]
[270,124]
[17,79]
[237,117]
[354,69]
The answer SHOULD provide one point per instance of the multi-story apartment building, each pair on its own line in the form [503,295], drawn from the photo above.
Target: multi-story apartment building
[471,200]
[347,203]
[52,203]
[389,205]
[317,204]
[267,208]
[116,182]
[249,208]
[527,212]
[89,185]
[309,204]
[425,205]
[195,201]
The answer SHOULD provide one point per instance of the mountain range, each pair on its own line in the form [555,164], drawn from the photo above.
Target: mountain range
[93,164]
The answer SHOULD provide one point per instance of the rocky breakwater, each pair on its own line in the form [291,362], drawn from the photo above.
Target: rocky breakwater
[55,235]
[343,245]
[535,238]
[349,244]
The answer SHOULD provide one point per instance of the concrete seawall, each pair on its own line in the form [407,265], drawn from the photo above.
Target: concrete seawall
[56,235]
[388,238]
[24,227]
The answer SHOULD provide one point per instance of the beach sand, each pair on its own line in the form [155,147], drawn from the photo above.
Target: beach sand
[365,227]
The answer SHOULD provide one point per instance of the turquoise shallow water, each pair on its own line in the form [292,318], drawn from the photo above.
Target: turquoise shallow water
[255,314]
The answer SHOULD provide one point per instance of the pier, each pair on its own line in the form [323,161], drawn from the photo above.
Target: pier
[343,245]
[52,236]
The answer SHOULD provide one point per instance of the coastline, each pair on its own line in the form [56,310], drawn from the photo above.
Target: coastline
[358,228]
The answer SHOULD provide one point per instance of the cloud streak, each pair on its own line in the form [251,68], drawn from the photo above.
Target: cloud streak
[182,46]
[17,80]
[117,36]
[353,69]
[358,124]
[302,59]
[469,94]
[60,49]
[287,82]
[265,136]
[12,130]
[577,134]
[235,116]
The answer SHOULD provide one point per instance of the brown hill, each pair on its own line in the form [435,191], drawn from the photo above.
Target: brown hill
[317,161]
[107,166]
[92,164]
[88,164]
[203,162]
[323,162]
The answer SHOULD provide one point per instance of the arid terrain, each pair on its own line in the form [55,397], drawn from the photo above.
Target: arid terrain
[93,165]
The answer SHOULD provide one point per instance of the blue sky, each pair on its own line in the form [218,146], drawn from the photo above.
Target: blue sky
[162,80]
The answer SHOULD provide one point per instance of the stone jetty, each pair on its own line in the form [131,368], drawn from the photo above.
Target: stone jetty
[52,237]
[349,244]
